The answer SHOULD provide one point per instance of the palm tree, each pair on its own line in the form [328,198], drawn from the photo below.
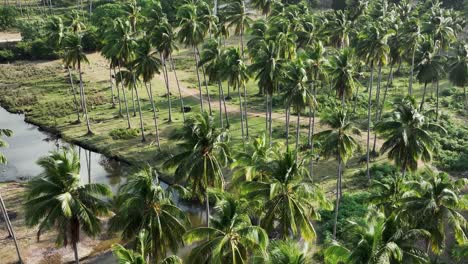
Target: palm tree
[146,65]
[264,5]
[372,46]
[268,68]
[191,33]
[430,67]
[236,73]
[342,72]
[407,135]
[3,160]
[211,60]
[284,251]
[412,37]
[164,40]
[435,206]
[205,153]
[296,94]
[128,256]
[458,69]
[230,239]
[338,29]
[144,205]
[374,245]
[340,143]
[56,199]
[75,56]
[290,201]
[237,16]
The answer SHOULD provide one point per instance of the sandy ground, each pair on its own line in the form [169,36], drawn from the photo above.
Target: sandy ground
[9,36]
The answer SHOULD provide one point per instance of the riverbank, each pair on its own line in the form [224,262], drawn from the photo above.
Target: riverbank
[44,251]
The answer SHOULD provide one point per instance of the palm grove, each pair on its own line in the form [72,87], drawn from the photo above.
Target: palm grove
[327,69]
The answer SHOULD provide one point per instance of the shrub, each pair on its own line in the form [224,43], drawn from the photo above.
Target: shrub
[42,51]
[6,55]
[124,133]
[22,50]
[32,29]
[7,17]
[90,40]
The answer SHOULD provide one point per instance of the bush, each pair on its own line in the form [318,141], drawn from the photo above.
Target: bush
[32,29]
[41,50]
[7,17]
[6,55]
[22,50]
[90,40]
[124,133]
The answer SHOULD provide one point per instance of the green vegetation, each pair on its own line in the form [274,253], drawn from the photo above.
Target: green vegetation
[204,93]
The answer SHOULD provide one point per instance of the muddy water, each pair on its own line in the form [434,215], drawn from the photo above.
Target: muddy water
[28,144]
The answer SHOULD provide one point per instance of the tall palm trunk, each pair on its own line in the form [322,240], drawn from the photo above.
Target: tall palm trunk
[111,87]
[206,86]
[437,99]
[85,107]
[133,101]
[466,97]
[311,136]
[224,104]
[125,98]
[270,121]
[298,129]
[166,77]
[266,115]
[377,104]
[241,113]
[369,103]
[207,209]
[142,127]
[155,116]
[220,106]
[410,88]
[245,112]
[389,81]
[75,100]
[11,232]
[178,86]
[118,96]
[287,127]
[338,196]
[423,97]
[198,78]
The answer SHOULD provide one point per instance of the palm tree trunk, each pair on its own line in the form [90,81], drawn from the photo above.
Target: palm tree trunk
[389,81]
[270,127]
[220,105]
[242,41]
[178,86]
[241,113]
[85,108]
[198,78]
[75,100]
[155,116]
[142,127]
[466,97]
[207,209]
[369,103]
[266,115]
[112,87]
[224,104]
[10,228]
[133,102]
[312,126]
[125,98]
[437,100]
[75,251]
[298,129]
[245,111]
[118,95]
[207,90]
[228,97]
[338,196]
[377,104]
[410,91]
[355,99]
[423,97]
[166,77]
[287,127]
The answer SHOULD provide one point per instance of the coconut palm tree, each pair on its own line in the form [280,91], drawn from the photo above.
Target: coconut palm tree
[338,142]
[343,74]
[191,33]
[144,205]
[435,205]
[290,201]
[205,153]
[238,16]
[75,56]
[263,5]
[268,69]
[374,245]
[237,75]
[56,199]
[3,160]
[164,39]
[407,136]
[372,46]
[458,69]
[284,251]
[430,67]
[296,94]
[231,238]
[338,29]
[146,65]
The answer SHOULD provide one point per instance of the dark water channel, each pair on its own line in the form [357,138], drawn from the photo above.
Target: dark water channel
[29,143]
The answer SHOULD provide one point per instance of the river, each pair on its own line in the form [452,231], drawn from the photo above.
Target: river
[29,143]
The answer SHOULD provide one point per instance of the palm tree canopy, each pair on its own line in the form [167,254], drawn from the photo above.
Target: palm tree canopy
[57,199]
[458,66]
[343,73]
[296,92]
[73,50]
[192,30]
[146,63]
